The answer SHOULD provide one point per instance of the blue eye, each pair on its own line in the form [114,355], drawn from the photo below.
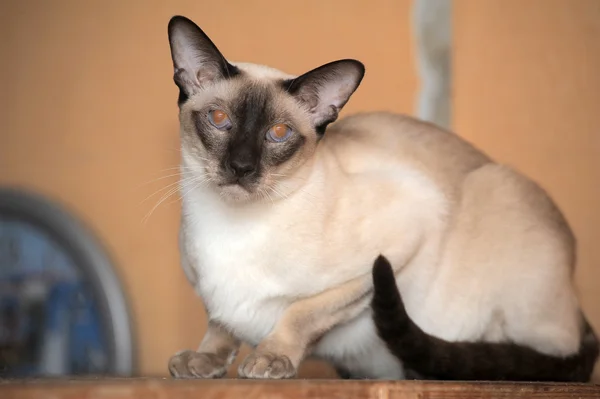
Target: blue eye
[219,119]
[279,133]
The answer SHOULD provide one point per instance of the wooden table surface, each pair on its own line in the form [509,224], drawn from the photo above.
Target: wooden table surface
[166,388]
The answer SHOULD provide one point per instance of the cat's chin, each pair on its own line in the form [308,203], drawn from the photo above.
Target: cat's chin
[234,193]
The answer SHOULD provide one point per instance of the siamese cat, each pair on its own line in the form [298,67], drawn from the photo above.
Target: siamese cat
[426,355]
[284,212]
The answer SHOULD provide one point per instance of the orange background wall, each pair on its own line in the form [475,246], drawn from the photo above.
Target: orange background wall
[88,113]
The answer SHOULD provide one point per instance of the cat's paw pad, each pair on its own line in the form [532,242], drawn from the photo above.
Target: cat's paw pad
[190,364]
[266,365]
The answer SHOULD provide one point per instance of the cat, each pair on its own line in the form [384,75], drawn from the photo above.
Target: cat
[429,357]
[285,207]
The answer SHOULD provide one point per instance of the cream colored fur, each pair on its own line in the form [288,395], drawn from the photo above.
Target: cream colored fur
[480,251]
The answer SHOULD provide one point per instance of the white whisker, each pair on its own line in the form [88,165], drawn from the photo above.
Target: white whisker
[157,179]
[167,187]
[301,191]
[182,185]
[288,177]
[281,193]
[197,184]
[162,199]
[177,168]
[268,196]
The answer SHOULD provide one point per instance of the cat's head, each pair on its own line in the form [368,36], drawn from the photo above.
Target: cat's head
[246,128]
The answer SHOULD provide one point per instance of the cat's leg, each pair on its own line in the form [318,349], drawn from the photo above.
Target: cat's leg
[302,324]
[218,348]
[215,353]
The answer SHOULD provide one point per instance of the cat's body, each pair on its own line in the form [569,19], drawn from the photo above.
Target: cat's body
[283,260]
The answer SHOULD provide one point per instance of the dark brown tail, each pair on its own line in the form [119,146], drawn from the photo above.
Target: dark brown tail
[436,358]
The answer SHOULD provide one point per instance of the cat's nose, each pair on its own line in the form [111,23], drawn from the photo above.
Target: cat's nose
[242,167]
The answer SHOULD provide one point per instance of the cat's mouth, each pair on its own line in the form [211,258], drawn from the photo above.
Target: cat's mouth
[247,183]
[237,189]
[235,192]
[231,183]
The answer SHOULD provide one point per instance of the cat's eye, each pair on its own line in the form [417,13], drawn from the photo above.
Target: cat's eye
[219,119]
[279,133]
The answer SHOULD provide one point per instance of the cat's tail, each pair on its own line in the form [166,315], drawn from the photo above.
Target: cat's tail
[436,358]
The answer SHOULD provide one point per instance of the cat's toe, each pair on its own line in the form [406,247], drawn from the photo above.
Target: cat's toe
[190,364]
[178,364]
[267,366]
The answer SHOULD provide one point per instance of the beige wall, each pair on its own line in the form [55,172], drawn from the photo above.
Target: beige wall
[89,114]
[527,90]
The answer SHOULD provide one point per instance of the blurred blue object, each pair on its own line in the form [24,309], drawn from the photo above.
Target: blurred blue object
[61,308]
[49,317]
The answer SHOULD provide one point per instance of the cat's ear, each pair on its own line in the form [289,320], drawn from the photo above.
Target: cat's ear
[326,89]
[196,60]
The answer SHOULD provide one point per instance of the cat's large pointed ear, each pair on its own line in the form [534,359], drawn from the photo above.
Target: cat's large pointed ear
[196,60]
[326,89]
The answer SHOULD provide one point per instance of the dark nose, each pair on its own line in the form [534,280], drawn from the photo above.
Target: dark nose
[242,167]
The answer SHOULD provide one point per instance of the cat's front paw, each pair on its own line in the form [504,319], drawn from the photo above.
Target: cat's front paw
[190,364]
[266,365]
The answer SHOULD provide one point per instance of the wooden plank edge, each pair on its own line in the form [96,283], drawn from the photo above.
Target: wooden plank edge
[142,388]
